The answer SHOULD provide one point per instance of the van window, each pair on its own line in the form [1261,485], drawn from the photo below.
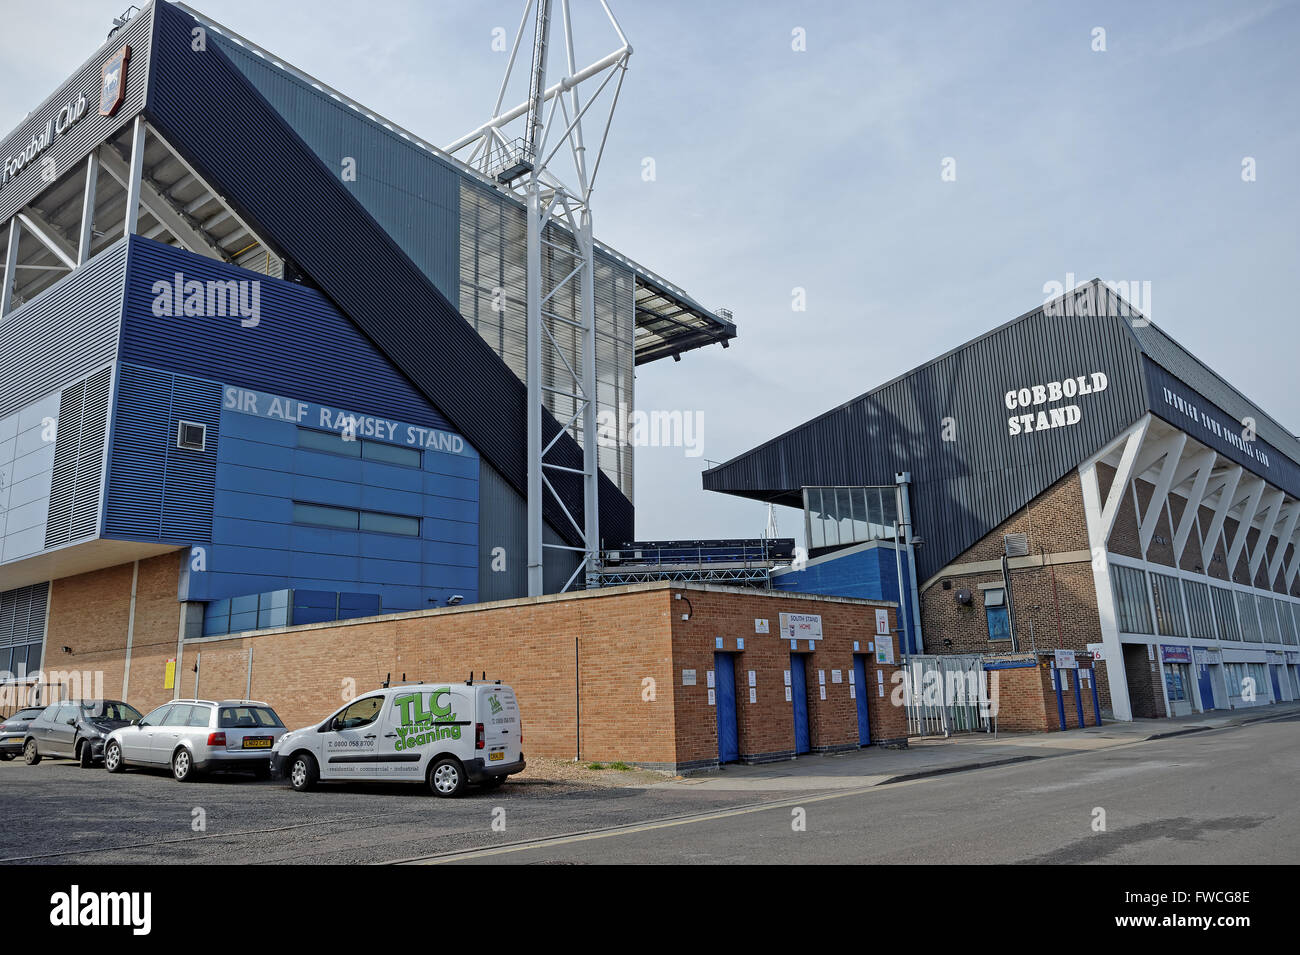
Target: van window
[247,717]
[361,713]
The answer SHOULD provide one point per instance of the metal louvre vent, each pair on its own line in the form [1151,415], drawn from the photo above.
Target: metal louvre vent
[1016,545]
[190,435]
[79,460]
[22,615]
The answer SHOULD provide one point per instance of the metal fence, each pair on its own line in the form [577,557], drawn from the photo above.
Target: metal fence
[946,694]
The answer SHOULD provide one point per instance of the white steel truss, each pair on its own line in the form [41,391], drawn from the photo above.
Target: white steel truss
[552,176]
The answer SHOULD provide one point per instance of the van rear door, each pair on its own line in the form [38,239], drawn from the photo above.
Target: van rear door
[498,712]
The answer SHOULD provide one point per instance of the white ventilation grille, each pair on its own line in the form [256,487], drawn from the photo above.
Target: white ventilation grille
[1016,545]
[79,460]
[191,435]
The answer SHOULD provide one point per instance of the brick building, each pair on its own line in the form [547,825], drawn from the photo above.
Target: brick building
[666,675]
[1073,479]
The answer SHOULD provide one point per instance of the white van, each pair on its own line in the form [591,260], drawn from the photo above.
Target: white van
[446,735]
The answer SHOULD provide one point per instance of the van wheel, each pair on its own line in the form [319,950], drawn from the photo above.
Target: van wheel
[303,772]
[447,777]
[113,761]
[84,758]
[183,765]
[493,782]
[30,755]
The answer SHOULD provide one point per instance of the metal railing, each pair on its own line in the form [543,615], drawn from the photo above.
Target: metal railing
[946,694]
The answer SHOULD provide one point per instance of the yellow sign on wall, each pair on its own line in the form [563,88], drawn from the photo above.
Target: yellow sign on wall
[169,675]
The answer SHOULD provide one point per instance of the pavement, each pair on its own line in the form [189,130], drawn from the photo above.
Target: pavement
[933,756]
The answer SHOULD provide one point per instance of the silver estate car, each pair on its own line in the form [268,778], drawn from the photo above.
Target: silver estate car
[194,736]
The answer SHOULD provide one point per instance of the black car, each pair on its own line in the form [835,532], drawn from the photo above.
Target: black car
[75,729]
[14,730]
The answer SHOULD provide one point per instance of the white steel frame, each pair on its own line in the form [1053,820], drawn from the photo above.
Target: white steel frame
[557,196]
[1177,464]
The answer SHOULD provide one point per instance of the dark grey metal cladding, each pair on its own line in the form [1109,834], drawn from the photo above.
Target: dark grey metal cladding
[1184,407]
[208,110]
[413,194]
[964,487]
[92,129]
[66,332]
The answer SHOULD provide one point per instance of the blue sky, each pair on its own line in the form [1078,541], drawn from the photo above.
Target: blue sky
[819,169]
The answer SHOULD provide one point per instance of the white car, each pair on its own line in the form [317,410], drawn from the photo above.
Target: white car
[444,735]
[194,736]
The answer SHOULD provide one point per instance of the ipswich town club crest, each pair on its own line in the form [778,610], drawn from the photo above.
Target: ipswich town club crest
[114,89]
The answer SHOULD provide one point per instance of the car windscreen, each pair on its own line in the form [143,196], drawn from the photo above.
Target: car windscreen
[247,717]
[109,710]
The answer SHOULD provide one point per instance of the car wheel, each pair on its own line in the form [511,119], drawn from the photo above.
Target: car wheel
[113,761]
[303,772]
[30,754]
[447,778]
[85,757]
[183,765]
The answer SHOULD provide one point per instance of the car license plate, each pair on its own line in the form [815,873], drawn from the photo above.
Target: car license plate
[493,757]
[257,742]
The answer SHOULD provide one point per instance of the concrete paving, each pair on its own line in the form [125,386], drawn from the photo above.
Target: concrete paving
[934,756]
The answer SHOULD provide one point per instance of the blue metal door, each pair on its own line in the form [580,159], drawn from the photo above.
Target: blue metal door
[860,678]
[1273,671]
[725,693]
[1207,688]
[799,700]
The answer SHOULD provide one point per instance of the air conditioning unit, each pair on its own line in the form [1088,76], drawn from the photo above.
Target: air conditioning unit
[1016,545]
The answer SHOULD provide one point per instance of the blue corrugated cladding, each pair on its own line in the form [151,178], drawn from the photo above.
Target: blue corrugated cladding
[302,346]
[411,193]
[63,334]
[946,423]
[156,490]
[249,152]
[870,573]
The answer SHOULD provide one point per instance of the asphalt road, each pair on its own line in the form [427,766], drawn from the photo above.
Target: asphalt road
[1225,796]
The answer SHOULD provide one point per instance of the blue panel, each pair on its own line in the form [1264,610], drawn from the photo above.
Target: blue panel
[271,357]
[725,699]
[1207,687]
[799,703]
[862,689]
[156,490]
[870,573]
[315,598]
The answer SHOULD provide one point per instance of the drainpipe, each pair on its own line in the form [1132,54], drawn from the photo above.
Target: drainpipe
[904,480]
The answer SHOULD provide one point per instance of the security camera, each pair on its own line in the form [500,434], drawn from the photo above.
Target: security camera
[455,599]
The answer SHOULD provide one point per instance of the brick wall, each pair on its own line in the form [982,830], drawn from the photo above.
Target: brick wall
[91,613]
[1027,700]
[1143,675]
[1055,604]
[615,656]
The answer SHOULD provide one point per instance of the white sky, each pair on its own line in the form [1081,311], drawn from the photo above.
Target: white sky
[820,170]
